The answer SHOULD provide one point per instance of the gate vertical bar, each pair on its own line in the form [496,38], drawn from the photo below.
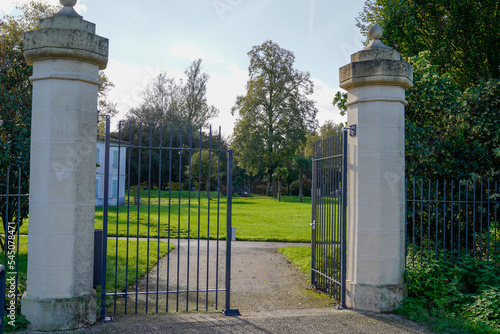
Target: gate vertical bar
[228,310]
[313,215]
[105,221]
[344,222]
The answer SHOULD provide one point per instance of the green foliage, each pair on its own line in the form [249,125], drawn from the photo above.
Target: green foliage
[454,297]
[462,36]
[452,117]
[19,323]
[451,134]
[304,166]
[15,103]
[326,130]
[275,115]
[485,308]
[339,101]
[306,188]
[167,101]
[280,173]
[197,109]
[104,105]
[204,167]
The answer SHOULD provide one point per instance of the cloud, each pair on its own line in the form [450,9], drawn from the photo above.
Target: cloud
[80,8]
[323,95]
[6,8]
[222,90]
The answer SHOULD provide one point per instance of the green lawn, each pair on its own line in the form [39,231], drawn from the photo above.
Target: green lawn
[255,218]
[135,255]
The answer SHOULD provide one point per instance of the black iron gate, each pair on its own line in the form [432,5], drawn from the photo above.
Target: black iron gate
[329,213]
[166,212]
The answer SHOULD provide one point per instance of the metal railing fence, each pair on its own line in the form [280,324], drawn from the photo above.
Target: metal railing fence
[13,209]
[451,219]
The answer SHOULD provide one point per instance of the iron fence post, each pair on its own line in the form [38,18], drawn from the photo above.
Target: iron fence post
[2,293]
[344,221]
[228,310]
[105,220]
[313,223]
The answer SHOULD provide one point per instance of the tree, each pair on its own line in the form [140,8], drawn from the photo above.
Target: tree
[463,37]
[204,168]
[328,129]
[275,115]
[452,134]
[198,112]
[166,102]
[304,165]
[454,48]
[15,107]
[105,107]
[279,175]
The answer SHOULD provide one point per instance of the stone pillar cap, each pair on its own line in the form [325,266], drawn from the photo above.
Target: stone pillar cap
[375,33]
[376,64]
[66,35]
[68,9]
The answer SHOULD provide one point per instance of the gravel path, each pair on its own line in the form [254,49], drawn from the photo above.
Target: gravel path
[272,296]
[262,279]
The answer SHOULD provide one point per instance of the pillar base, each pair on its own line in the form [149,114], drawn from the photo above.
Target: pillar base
[59,313]
[374,298]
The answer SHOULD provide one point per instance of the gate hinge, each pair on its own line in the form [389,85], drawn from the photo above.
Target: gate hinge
[313,224]
[352,130]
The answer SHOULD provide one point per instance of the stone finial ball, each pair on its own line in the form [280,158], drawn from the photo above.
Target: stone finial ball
[375,32]
[68,3]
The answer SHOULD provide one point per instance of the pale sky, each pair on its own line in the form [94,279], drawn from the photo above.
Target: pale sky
[150,37]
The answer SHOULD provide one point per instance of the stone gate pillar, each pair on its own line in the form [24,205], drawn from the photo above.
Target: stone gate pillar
[376,80]
[66,55]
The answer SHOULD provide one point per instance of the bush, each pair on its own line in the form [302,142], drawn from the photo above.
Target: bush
[486,307]
[306,188]
[261,189]
[443,294]
[174,185]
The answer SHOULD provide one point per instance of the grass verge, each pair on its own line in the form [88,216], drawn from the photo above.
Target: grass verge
[299,257]
[138,264]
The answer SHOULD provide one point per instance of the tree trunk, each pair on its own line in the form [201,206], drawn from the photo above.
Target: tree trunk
[269,184]
[279,189]
[301,181]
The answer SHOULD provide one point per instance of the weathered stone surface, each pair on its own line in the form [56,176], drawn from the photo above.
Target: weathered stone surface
[60,314]
[374,298]
[66,56]
[376,80]
[66,37]
[376,72]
